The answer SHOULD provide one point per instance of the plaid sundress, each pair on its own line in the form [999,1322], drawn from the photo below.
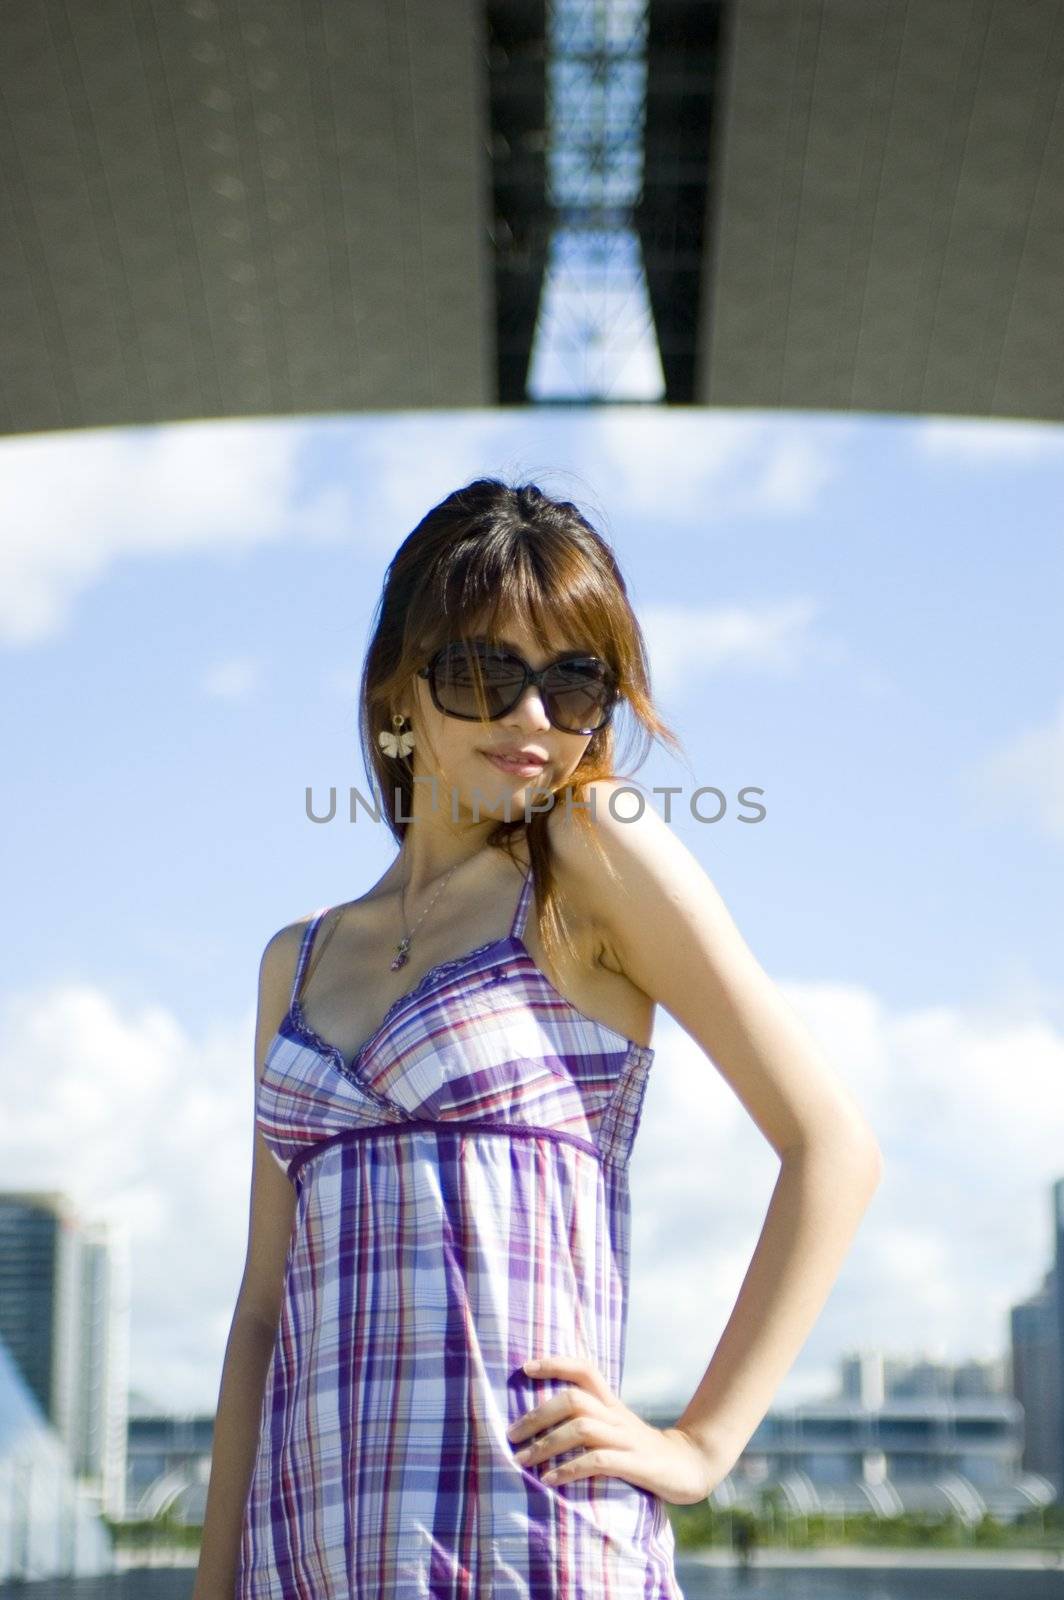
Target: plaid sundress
[462,1205]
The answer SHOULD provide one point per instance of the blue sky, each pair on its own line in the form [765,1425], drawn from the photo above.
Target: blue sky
[858,614]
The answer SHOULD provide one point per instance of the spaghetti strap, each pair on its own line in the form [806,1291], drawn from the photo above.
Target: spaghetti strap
[310,932]
[304,951]
[517,927]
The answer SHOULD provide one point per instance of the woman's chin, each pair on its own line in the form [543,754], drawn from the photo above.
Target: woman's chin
[494,792]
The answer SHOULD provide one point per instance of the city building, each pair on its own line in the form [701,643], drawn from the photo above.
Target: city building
[1037,1358]
[899,1437]
[64,1319]
[49,1520]
[168,1461]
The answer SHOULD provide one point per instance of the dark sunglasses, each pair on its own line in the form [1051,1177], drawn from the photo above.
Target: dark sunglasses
[578,691]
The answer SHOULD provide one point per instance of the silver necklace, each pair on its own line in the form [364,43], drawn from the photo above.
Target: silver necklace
[403,947]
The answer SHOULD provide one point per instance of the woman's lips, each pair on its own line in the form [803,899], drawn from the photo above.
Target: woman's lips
[517,769]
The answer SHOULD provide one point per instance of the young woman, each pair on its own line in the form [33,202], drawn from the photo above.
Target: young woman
[450,1071]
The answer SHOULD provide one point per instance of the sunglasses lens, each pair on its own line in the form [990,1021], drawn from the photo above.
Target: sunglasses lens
[578,694]
[501,678]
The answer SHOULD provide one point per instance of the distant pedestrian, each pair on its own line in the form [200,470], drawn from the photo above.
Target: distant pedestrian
[744,1537]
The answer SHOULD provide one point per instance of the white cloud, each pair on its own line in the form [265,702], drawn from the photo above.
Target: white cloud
[792,476]
[958,1229]
[74,504]
[134,1120]
[704,466]
[684,642]
[1025,777]
[234,680]
[660,464]
[979,441]
[405,464]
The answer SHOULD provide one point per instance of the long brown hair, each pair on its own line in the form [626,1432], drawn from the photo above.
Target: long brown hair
[487,553]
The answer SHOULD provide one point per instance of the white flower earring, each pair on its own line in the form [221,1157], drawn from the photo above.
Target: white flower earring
[397,743]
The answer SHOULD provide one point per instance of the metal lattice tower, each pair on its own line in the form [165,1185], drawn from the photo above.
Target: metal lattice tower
[595,335]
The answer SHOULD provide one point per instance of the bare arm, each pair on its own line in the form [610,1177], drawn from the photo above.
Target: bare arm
[236,1425]
[249,1348]
[669,931]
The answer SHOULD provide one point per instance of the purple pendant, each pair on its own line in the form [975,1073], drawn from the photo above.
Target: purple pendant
[400,960]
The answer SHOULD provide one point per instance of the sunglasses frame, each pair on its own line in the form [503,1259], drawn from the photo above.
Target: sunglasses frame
[530,676]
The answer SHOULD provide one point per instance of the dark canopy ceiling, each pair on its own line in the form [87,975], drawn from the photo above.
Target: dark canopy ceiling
[292,206]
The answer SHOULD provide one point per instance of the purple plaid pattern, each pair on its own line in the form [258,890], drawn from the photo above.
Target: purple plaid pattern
[462,1205]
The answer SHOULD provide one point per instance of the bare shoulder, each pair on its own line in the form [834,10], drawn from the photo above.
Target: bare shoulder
[620,872]
[666,926]
[282,951]
[273,1196]
[277,968]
